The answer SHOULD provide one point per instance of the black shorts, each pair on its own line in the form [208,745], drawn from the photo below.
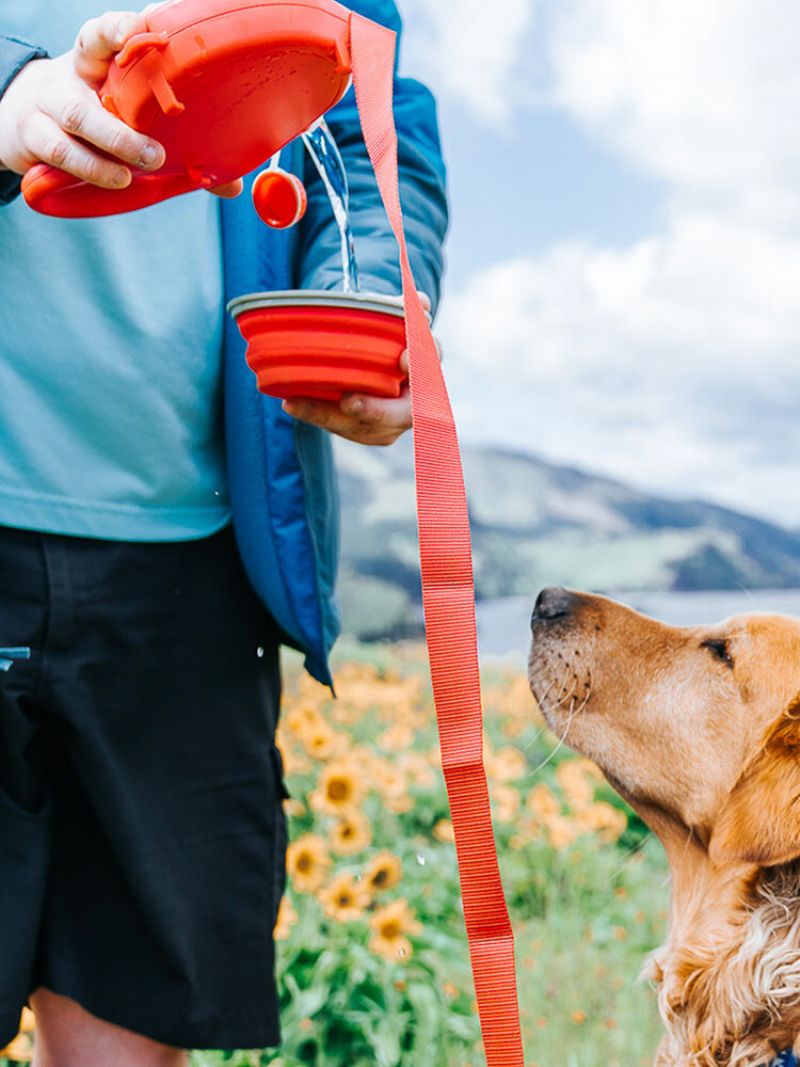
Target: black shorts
[142,838]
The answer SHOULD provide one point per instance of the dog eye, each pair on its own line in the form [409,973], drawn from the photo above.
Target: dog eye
[720,650]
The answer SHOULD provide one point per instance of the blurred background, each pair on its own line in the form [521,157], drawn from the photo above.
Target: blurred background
[622,311]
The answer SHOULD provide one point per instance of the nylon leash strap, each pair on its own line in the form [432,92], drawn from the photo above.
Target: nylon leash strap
[447,587]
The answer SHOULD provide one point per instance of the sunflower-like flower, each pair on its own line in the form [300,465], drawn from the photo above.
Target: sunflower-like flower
[384,872]
[505,802]
[561,831]
[604,819]
[398,737]
[344,899]
[322,742]
[294,808]
[542,802]
[341,788]
[391,926]
[307,862]
[287,917]
[390,780]
[351,833]
[417,769]
[294,762]
[443,830]
[506,765]
[302,719]
[577,778]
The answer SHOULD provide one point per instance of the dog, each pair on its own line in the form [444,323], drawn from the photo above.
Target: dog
[698,729]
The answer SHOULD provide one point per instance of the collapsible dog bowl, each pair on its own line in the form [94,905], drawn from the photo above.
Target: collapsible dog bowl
[222,84]
[321,344]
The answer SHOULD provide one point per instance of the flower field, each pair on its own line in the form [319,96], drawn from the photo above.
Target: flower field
[373,962]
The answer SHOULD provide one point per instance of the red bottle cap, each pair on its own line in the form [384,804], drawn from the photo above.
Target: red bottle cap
[279,198]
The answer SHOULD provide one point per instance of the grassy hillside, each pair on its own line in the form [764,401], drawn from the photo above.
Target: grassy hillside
[537,524]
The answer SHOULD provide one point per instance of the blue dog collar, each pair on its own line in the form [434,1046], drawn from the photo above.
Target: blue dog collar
[786,1059]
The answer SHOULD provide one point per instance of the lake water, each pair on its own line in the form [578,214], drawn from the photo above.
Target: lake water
[504,625]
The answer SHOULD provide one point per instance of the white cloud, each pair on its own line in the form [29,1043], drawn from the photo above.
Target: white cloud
[470,49]
[674,361]
[705,94]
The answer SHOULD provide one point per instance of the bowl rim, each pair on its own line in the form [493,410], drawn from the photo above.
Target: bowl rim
[381,303]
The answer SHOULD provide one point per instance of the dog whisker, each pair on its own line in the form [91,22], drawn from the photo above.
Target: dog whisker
[561,741]
[632,854]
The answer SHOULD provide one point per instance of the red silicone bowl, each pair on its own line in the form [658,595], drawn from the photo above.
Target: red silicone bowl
[321,344]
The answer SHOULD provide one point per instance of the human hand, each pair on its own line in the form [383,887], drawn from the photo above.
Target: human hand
[51,113]
[367,420]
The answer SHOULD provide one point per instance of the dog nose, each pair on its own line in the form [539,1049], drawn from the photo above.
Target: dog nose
[553,603]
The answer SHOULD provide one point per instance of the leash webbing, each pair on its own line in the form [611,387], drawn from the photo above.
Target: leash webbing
[447,587]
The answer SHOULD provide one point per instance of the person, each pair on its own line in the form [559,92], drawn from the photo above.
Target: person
[163,530]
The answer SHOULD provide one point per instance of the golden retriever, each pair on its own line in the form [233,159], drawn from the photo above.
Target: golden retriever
[698,729]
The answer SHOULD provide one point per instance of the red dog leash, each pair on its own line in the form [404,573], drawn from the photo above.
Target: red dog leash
[447,588]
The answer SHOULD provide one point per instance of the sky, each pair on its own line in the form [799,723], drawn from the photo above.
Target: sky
[623,290]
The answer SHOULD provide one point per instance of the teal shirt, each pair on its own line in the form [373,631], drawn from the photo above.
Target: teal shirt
[110,356]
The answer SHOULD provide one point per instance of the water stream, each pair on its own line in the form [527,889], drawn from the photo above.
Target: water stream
[323,150]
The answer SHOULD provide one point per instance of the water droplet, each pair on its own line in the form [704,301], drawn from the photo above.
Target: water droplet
[260,652]
[421,860]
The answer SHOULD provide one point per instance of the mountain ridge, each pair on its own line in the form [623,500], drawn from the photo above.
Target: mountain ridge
[534,523]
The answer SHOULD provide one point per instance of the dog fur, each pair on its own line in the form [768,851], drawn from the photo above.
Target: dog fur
[698,729]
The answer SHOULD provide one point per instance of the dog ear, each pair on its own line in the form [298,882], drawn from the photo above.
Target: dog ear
[760,819]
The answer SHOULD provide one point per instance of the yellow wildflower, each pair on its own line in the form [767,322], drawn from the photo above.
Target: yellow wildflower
[507,765]
[417,769]
[322,742]
[293,761]
[542,802]
[367,759]
[515,699]
[391,925]
[301,719]
[293,807]
[605,820]
[577,778]
[287,917]
[344,899]
[341,788]
[307,862]
[351,833]
[443,830]
[391,780]
[505,802]
[561,831]
[384,872]
[399,736]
